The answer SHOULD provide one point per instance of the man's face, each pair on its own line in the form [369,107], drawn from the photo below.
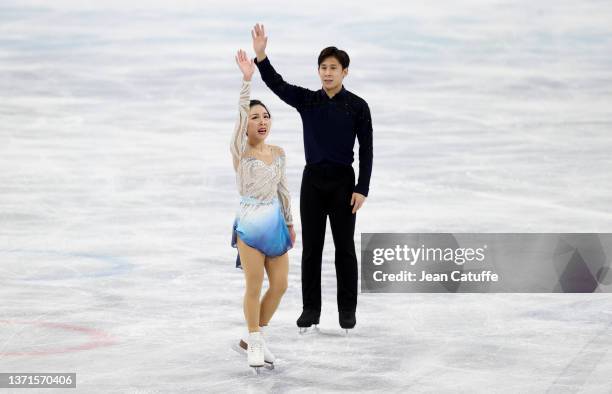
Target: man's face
[331,73]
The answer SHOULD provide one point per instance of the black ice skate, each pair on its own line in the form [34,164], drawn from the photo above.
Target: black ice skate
[347,319]
[307,319]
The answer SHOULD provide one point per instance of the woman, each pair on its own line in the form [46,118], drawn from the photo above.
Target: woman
[263,229]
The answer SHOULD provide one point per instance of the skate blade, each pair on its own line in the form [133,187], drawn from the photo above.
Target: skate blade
[309,330]
[266,366]
[258,370]
[348,329]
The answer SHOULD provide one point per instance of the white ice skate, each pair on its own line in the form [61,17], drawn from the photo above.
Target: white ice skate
[268,355]
[255,351]
[243,346]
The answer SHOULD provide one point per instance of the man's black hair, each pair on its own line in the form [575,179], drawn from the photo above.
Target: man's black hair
[339,54]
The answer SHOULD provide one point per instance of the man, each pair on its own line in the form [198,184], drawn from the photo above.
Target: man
[332,117]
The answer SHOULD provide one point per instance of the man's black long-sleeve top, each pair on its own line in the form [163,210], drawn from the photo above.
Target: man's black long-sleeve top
[330,124]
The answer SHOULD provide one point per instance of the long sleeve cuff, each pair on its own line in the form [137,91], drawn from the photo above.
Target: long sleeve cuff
[265,68]
[361,189]
[258,63]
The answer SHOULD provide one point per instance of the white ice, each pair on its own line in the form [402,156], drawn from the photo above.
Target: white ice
[117,192]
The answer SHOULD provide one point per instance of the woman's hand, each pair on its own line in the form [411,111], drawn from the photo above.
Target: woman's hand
[245,64]
[291,234]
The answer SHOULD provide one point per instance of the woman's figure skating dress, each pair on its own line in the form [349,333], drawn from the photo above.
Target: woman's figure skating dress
[265,208]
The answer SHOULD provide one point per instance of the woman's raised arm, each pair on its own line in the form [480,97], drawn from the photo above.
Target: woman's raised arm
[239,138]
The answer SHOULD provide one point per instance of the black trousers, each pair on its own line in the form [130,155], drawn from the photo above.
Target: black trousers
[327,190]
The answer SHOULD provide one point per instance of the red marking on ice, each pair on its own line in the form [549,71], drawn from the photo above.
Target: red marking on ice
[98,338]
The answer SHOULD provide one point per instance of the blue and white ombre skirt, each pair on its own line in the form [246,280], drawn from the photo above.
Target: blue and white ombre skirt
[261,225]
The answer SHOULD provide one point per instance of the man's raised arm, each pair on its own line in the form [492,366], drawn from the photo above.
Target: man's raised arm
[293,95]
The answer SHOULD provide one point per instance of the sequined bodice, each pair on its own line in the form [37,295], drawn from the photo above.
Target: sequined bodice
[257,179]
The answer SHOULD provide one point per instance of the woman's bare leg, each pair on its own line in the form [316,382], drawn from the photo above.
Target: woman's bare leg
[278,271]
[253,266]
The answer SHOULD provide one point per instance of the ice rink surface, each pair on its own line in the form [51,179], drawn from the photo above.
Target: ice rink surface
[117,193]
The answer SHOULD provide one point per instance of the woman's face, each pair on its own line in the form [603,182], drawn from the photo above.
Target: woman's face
[259,123]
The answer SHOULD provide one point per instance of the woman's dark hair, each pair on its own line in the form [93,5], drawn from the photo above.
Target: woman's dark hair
[253,103]
[339,54]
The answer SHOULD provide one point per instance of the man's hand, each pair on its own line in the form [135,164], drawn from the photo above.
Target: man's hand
[245,64]
[291,234]
[259,41]
[357,201]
